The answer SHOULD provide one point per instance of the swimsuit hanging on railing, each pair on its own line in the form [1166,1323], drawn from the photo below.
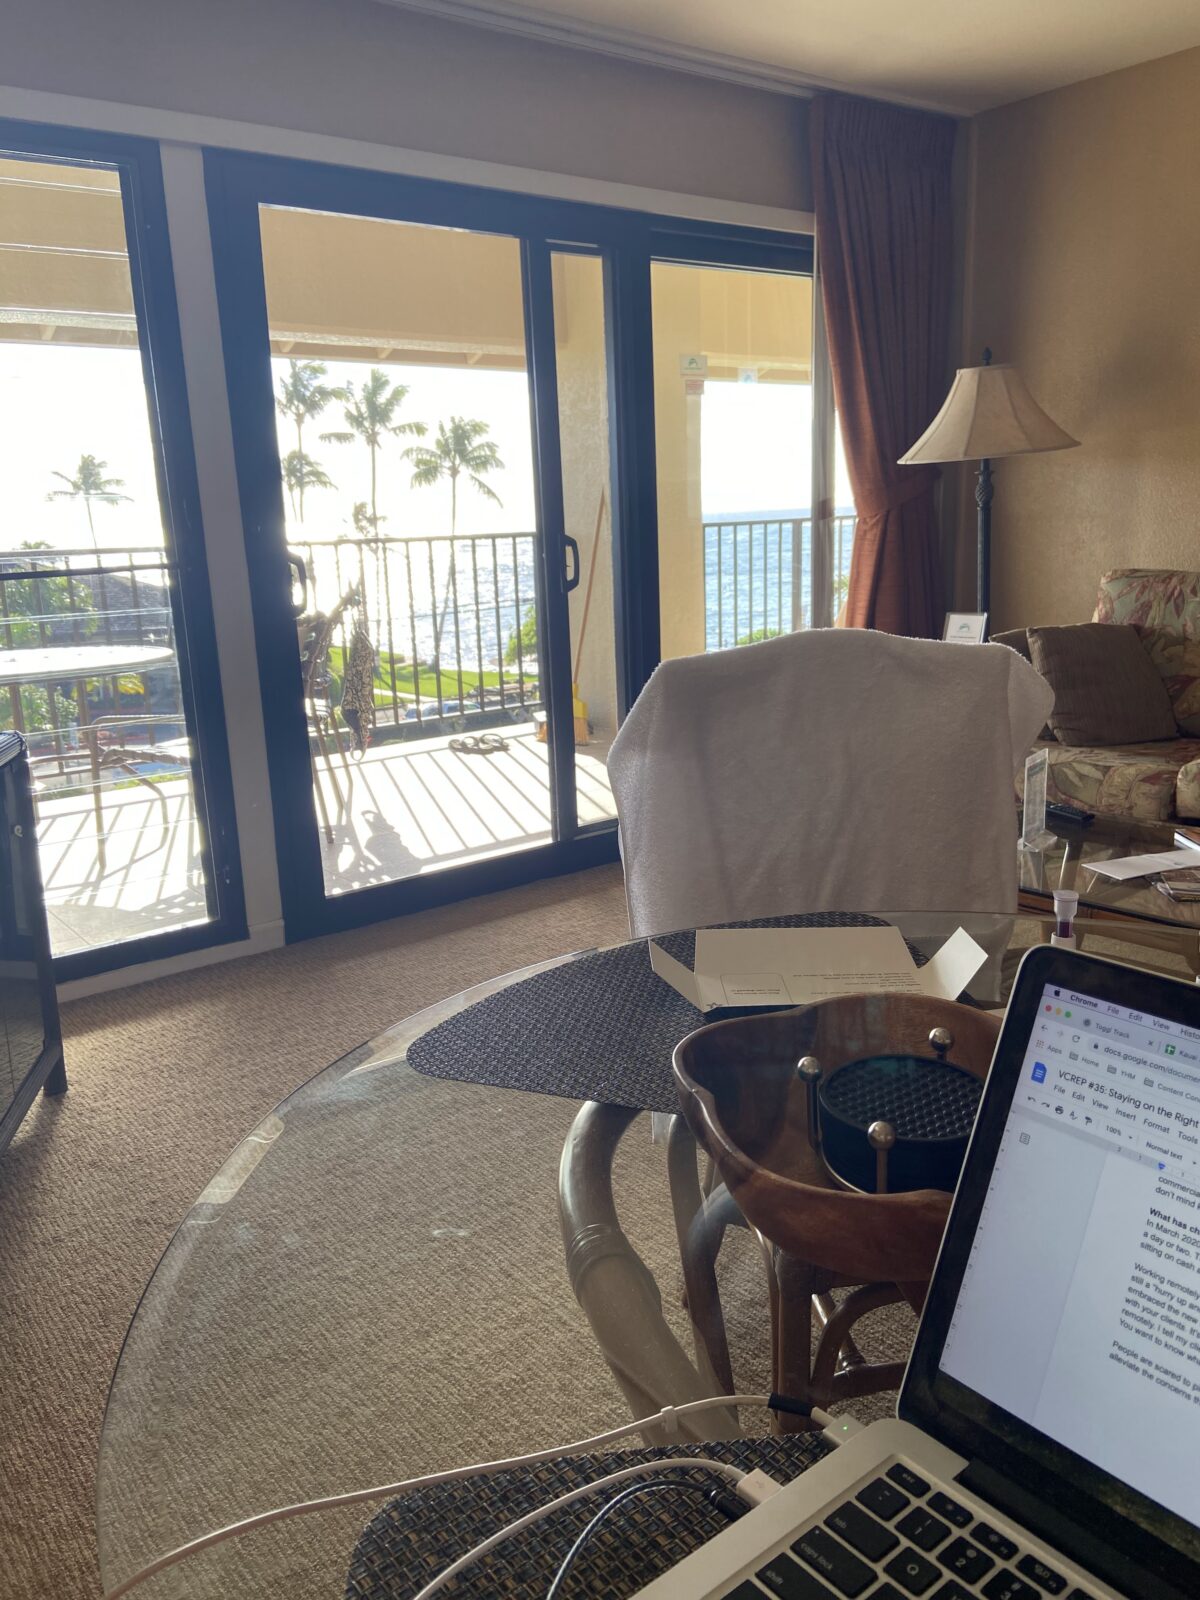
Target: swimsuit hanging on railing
[358,688]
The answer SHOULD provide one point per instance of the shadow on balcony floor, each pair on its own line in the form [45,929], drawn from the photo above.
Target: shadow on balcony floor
[402,810]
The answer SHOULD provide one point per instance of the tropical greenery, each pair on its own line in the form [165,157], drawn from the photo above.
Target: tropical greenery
[27,602]
[418,682]
[370,414]
[91,486]
[365,525]
[302,396]
[758,635]
[522,646]
[301,472]
[461,449]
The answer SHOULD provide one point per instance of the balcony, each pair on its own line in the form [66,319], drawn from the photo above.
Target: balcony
[452,625]
[763,576]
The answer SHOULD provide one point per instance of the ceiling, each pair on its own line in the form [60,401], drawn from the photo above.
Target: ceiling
[960,56]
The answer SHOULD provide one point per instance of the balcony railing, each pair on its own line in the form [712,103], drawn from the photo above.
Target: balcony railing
[452,620]
[54,598]
[758,576]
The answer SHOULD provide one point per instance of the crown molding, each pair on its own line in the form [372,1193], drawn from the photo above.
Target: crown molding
[530,22]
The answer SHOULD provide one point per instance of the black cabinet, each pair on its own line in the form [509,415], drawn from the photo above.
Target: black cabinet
[31,1055]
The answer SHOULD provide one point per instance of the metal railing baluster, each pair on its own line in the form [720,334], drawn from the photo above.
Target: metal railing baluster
[414,656]
[482,685]
[384,561]
[458,666]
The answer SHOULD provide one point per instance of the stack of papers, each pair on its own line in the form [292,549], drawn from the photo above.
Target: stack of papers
[1123,867]
[795,966]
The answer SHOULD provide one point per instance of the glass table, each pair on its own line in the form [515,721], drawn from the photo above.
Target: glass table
[1145,917]
[373,1286]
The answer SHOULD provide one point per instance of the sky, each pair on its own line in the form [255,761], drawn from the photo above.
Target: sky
[58,403]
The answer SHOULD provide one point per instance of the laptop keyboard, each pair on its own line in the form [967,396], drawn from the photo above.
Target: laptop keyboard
[897,1537]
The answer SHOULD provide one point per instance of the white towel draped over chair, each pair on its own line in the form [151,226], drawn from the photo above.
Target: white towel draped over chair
[836,769]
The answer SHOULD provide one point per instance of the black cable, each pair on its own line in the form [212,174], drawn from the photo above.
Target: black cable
[795,1408]
[650,1486]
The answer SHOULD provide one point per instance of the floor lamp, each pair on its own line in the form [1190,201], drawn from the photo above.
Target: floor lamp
[988,413]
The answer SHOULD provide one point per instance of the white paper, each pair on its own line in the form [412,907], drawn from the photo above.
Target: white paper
[676,974]
[1142,866]
[796,966]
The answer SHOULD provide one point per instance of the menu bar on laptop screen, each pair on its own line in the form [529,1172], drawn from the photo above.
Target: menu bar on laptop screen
[1079,1311]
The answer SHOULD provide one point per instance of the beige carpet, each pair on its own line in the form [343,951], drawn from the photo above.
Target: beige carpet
[165,1078]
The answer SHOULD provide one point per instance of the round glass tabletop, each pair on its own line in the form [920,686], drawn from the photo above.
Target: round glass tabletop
[375,1284]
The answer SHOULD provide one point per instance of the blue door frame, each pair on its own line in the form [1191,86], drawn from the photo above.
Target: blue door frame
[627,242]
[138,165]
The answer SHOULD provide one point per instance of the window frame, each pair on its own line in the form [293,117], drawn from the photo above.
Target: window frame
[138,164]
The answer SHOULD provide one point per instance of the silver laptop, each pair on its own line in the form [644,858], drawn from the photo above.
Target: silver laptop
[1047,1441]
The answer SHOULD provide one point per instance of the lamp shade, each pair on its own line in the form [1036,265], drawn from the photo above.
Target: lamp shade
[988,412]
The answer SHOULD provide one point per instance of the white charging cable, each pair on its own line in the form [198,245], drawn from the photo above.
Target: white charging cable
[666,1418]
[753,1487]
[733,1474]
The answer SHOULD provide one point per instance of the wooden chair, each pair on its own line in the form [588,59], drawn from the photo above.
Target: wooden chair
[745,1106]
[315,631]
[121,744]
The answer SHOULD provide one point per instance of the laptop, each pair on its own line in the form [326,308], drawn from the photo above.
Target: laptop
[1047,1437]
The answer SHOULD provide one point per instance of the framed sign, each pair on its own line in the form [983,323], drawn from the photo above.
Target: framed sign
[965,627]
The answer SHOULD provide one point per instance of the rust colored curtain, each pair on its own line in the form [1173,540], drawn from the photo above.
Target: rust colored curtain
[882,194]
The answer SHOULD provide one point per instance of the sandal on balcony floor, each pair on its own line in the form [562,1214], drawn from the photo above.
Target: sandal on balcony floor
[479,744]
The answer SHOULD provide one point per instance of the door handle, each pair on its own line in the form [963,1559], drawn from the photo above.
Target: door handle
[572,581]
[299,582]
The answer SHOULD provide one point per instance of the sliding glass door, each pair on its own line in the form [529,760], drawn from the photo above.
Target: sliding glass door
[406,453]
[104,614]
[751,541]
[466,552]
[431,546]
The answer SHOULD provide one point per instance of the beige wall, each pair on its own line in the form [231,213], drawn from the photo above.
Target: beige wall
[1085,271]
[368,71]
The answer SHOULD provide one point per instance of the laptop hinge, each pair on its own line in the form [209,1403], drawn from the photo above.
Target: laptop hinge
[1032,1512]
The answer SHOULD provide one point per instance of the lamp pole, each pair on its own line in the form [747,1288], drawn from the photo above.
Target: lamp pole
[983,502]
[983,524]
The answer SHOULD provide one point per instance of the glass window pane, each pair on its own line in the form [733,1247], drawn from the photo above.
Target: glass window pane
[733,432]
[403,418]
[845,519]
[89,670]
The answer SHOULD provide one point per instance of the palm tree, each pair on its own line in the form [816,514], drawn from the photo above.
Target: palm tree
[369,417]
[88,484]
[460,449]
[301,472]
[302,395]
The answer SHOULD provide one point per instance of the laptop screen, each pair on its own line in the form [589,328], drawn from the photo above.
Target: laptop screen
[1059,1350]
[1079,1309]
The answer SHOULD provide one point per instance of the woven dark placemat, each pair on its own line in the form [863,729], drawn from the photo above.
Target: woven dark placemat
[418,1535]
[601,1027]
